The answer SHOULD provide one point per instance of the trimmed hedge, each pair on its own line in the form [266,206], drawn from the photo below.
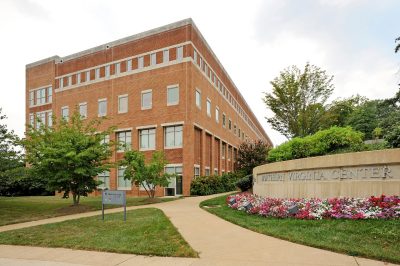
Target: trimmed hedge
[343,139]
[207,185]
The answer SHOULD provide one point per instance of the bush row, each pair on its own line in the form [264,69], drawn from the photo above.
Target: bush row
[207,185]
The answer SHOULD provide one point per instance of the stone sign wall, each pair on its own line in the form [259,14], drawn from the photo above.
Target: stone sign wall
[360,174]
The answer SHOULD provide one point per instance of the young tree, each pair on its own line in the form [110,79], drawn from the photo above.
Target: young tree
[250,155]
[69,155]
[149,175]
[10,154]
[297,100]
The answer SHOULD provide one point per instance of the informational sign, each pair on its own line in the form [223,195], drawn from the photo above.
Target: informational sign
[113,197]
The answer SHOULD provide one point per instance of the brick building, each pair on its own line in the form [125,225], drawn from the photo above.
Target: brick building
[163,89]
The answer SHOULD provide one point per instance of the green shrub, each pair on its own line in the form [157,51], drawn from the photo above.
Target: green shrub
[329,141]
[393,137]
[245,183]
[207,185]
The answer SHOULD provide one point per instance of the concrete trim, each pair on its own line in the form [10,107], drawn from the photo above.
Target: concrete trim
[146,127]
[123,129]
[177,123]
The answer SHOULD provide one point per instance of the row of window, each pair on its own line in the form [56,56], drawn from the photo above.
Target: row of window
[225,92]
[146,103]
[123,184]
[42,118]
[116,68]
[40,96]
[236,131]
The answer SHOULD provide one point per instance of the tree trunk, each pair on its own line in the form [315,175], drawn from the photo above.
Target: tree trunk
[75,199]
[79,197]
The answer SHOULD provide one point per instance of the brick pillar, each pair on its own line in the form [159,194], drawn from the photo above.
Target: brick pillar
[202,152]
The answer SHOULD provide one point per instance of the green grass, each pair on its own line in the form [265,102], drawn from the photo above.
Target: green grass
[376,239]
[146,232]
[24,209]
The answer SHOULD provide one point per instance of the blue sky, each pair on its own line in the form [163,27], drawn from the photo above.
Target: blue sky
[351,39]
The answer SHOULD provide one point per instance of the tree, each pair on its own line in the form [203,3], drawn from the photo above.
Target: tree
[297,100]
[69,155]
[250,155]
[397,48]
[10,154]
[148,175]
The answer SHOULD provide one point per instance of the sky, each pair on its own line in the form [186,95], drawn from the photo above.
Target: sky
[353,40]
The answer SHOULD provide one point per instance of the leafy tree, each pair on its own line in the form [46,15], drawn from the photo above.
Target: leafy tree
[69,155]
[250,155]
[365,118]
[393,137]
[148,175]
[298,100]
[10,153]
[397,48]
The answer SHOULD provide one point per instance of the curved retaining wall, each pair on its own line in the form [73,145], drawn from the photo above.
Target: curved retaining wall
[359,174]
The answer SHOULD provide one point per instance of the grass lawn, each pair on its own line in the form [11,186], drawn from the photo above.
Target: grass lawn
[376,239]
[146,232]
[24,209]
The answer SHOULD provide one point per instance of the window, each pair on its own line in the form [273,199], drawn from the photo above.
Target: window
[129,65]
[173,137]
[229,152]
[97,73]
[172,95]
[41,119]
[108,71]
[201,62]
[208,107]
[124,140]
[177,170]
[234,129]
[217,114]
[32,120]
[223,150]
[195,56]
[239,133]
[104,177]
[70,81]
[179,53]
[165,56]
[123,184]
[147,139]
[106,139]
[207,171]
[198,99]
[122,104]
[215,171]
[147,98]
[140,62]
[87,76]
[117,68]
[153,59]
[50,119]
[41,96]
[102,110]
[65,112]
[229,124]
[61,81]
[223,120]
[78,78]
[31,98]
[196,171]
[83,110]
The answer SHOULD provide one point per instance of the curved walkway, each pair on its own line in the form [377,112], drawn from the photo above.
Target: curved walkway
[217,241]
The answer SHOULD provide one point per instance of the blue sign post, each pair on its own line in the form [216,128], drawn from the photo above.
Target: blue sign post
[113,197]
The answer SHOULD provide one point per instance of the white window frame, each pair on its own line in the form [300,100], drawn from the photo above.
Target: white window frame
[179,53]
[107,71]
[223,120]
[208,107]
[141,99]
[128,145]
[87,78]
[104,175]
[117,68]
[195,56]
[61,83]
[78,78]
[81,105]
[98,107]
[166,56]
[97,73]
[62,112]
[196,167]
[125,181]
[207,168]
[120,111]
[49,118]
[217,114]
[148,136]
[176,86]
[175,141]
[31,98]
[69,80]
[153,59]
[198,104]
[32,120]
[141,62]
[129,65]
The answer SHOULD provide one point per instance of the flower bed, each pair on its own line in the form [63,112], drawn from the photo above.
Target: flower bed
[382,207]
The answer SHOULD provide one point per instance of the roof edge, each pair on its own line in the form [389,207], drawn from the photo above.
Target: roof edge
[43,61]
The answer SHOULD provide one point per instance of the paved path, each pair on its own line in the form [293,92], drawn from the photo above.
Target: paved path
[218,242]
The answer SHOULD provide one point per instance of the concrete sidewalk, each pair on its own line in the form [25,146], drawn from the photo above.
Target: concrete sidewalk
[217,241]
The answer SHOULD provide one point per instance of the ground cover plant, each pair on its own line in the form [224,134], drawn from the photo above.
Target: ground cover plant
[370,238]
[24,209]
[146,232]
